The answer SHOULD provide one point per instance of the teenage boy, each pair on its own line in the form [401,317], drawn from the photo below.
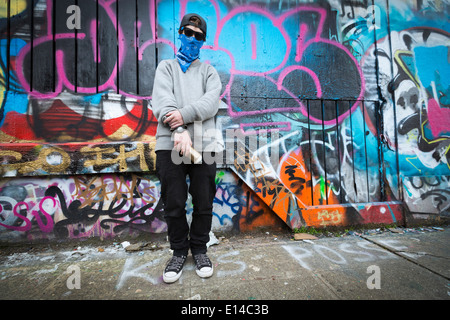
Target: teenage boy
[185,91]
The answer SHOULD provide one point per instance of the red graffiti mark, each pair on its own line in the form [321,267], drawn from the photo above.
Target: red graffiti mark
[61,123]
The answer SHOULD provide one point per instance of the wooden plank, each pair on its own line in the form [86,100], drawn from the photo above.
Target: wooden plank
[107,46]
[65,47]
[86,49]
[43,50]
[146,63]
[127,46]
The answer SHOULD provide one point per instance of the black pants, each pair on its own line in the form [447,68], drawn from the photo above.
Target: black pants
[174,190]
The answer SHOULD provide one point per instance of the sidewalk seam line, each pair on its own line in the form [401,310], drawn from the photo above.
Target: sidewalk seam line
[403,256]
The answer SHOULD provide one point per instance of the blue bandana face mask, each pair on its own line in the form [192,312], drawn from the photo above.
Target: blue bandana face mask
[189,51]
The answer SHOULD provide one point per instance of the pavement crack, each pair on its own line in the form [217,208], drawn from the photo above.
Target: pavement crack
[405,256]
[422,254]
[330,288]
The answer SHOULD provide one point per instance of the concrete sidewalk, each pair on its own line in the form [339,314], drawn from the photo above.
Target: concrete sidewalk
[253,267]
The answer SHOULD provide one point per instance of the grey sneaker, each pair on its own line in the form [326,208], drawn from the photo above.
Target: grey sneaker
[204,267]
[173,269]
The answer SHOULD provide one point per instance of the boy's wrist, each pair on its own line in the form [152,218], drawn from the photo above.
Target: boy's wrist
[179,129]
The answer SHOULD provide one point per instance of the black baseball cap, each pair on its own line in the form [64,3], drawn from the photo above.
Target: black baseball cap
[185,22]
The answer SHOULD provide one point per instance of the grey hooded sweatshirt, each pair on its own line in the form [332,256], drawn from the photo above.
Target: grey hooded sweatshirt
[195,94]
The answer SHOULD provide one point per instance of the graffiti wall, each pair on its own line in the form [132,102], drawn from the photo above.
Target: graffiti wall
[81,206]
[333,112]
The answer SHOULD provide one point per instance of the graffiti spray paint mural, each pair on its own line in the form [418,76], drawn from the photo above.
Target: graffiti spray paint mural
[413,60]
[331,111]
[109,204]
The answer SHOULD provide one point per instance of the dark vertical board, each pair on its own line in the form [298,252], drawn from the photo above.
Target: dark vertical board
[127,46]
[87,48]
[107,46]
[43,52]
[147,47]
[65,47]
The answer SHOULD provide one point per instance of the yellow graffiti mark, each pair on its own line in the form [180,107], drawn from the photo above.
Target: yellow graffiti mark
[104,189]
[16,7]
[55,160]
[399,61]
[445,152]
[329,218]
[99,160]
[60,162]
[2,88]
[434,141]
[412,158]
[9,153]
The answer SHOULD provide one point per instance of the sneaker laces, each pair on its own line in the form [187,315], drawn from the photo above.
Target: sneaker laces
[202,260]
[176,263]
